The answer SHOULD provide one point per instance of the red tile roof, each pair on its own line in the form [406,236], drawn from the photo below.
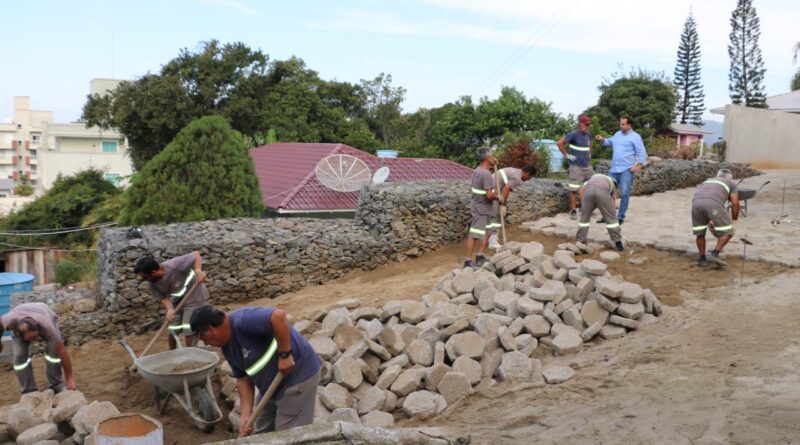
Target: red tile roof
[286,174]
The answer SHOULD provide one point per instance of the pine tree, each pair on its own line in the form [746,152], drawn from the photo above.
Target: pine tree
[747,66]
[205,173]
[687,76]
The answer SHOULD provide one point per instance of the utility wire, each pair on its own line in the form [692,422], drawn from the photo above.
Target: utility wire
[47,232]
[47,248]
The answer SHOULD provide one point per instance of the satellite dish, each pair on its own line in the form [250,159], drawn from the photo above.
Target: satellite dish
[380,175]
[342,173]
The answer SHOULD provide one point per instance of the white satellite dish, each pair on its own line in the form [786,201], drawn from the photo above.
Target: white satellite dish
[380,175]
[342,173]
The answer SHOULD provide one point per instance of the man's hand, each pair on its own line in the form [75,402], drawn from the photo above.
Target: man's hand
[285,365]
[571,157]
[70,381]
[635,168]
[200,276]
[599,138]
[171,314]
[243,432]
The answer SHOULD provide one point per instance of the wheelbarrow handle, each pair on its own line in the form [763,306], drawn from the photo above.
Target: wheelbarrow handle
[264,400]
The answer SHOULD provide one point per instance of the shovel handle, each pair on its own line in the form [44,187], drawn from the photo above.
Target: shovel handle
[264,400]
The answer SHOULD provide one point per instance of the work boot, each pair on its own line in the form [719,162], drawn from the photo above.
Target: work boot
[713,257]
[618,246]
[470,264]
[621,221]
[480,260]
[702,262]
[573,214]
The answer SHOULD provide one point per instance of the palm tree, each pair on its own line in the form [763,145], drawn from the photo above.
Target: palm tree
[795,84]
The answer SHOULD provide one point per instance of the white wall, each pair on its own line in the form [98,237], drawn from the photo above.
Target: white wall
[53,163]
[764,138]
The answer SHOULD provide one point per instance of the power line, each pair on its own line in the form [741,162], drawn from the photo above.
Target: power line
[48,232]
[47,248]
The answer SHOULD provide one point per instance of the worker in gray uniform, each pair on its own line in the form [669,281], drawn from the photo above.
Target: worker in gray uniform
[598,193]
[510,178]
[708,211]
[480,207]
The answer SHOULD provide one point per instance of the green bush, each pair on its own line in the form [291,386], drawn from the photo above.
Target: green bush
[543,151]
[68,271]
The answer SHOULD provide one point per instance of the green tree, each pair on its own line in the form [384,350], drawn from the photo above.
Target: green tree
[645,96]
[795,82]
[687,76]
[383,106]
[747,67]
[65,204]
[204,173]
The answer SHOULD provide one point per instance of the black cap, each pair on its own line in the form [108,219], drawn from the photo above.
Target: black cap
[202,318]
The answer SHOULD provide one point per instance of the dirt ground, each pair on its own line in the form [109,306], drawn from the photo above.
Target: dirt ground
[719,367]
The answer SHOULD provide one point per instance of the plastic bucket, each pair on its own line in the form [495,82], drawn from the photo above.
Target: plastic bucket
[130,429]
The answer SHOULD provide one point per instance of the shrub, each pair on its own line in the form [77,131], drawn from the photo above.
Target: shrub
[68,271]
[516,152]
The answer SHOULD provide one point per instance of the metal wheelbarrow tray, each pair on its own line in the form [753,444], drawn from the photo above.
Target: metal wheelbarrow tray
[744,195]
[185,374]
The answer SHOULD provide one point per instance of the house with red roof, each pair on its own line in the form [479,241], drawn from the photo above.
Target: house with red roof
[289,185]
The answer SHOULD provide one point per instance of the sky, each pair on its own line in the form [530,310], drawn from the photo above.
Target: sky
[438,50]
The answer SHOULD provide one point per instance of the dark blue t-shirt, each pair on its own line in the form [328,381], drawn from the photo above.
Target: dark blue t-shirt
[579,144]
[251,336]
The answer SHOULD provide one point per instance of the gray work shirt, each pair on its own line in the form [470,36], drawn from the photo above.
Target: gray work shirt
[41,314]
[177,280]
[600,181]
[481,182]
[716,189]
[513,177]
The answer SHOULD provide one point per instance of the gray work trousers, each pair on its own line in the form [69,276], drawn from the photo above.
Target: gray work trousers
[23,365]
[597,198]
[295,408]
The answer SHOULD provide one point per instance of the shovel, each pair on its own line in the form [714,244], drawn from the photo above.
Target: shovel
[264,400]
[499,209]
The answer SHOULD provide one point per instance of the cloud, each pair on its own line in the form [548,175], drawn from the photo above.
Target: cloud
[365,21]
[233,4]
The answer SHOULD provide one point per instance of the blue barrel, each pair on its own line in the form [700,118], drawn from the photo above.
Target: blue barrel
[11,283]
[386,153]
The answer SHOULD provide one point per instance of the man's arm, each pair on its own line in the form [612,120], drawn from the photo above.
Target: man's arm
[247,395]
[167,303]
[506,191]
[491,195]
[641,153]
[560,143]
[735,206]
[280,331]
[66,363]
[198,267]
[582,191]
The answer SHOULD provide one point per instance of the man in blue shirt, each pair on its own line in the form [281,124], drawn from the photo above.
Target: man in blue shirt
[629,155]
[258,343]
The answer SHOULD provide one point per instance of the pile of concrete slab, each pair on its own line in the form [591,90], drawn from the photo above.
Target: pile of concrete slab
[414,358]
[47,418]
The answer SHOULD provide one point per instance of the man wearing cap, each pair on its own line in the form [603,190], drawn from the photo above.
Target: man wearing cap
[510,178]
[598,193]
[27,322]
[708,211]
[258,343]
[579,157]
[629,155]
[480,207]
[170,282]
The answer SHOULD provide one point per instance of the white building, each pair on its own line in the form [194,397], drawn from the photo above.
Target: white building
[35,148]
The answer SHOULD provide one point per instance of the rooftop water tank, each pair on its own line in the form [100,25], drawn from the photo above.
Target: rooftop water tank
[11,283]
[386,153]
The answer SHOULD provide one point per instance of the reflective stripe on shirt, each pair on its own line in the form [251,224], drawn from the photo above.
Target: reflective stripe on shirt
[256,367]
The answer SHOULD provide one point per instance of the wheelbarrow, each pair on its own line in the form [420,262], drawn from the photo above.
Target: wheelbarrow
[185,374]
[744,195]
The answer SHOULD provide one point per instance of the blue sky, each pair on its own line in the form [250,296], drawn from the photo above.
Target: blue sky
[558,51]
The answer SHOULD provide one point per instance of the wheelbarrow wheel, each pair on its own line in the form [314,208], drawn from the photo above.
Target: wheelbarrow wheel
[203,405]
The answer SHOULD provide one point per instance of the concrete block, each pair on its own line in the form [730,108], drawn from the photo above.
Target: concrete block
[557,374]
[424,404]
[515,365]
[454,386]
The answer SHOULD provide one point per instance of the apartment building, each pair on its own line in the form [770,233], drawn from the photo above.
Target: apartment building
[35,149]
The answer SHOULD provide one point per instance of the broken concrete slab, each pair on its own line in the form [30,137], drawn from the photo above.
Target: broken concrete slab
[558,374]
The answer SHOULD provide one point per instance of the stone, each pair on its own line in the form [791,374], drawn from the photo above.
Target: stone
[485,325]
[575,275]
[524,342]
[561,275]
[368,313]
[438,352]
[370,374]
[632,311]
[528,306]
[464,299]
[345,415]
[564,260]
[66,404]
[320,412]
[378,350]
[370,328]
[622,321]
[325,347]
[38,433]
[464,282]
[608,287]
[605,303]
[401,361]
[470,368]
[568,341]
[572,317]
[647,319]
[357,350]
[391,340]
[543,294]
[413,312]
[508,268]
[591,331]
[336,317]
[531,250]
[346,335]
[349,303]
[86,305]
[551,316]
[388,376]
[467,344]
[306,327]
[37,402]
[506,339]
[20,419]
[378,419]
[515,365]
[610,332]
[593,267]
[504,299]
[372,400]
[89,416]
[563,306]
[632,293]
[559,291]
[656,303]
[637,260]
[536,325]
[585,286]
[584,248]
[334,396]
[592,312]
[408,332]
[490,362]
[420,352]
[326,374]
[435,374]
[459,325]
[436,297]
[609,256]
[424,404]
[430,335]
[347,372]
[391,401]
[408,381]
[548,268]
[454,386]
[516,326]
[557,374]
